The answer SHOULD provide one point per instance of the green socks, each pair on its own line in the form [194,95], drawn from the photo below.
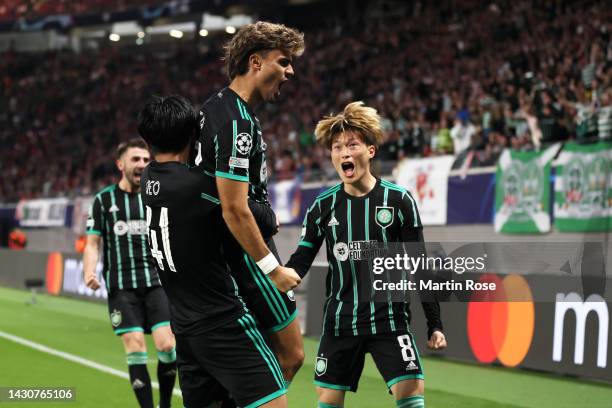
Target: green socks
[416,401]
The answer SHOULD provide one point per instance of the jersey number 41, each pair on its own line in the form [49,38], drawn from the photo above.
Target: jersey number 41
[165,235]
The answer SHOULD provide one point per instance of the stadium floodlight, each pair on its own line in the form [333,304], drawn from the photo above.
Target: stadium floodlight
[203,32]
[140,34]
[230,29]
[213,23]
[114,37]
[126,28]
[176,33]
[165,29]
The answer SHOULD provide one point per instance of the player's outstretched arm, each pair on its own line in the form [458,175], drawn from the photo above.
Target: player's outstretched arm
[429,302]
[311,240]
[301,260]
[241,223]
[90,260]
[412,232]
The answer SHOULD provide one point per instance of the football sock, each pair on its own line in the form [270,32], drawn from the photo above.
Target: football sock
[166,375]
[324,405]
[139,378]
[416,401]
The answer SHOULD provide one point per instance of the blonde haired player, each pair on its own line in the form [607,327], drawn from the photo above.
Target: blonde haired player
[362,209]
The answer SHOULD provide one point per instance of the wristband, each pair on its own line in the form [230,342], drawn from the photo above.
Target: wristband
[268,263]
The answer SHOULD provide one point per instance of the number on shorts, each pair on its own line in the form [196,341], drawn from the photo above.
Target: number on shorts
[407,350]
[165,233]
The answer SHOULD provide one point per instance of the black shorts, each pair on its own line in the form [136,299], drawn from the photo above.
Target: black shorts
[340,359]
[234,359]
[142,309]
[273,309]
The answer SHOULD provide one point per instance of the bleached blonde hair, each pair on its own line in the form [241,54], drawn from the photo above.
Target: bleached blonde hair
[355,117]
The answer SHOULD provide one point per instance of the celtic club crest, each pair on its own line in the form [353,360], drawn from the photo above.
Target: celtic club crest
[321,366]
[115,318]
[384,216]
[341,251]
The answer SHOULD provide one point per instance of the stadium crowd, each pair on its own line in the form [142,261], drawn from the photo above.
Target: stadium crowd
[451,79]
[16,9]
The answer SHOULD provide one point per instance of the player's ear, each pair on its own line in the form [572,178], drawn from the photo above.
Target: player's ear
[119,164]
[371,151]
[255,62]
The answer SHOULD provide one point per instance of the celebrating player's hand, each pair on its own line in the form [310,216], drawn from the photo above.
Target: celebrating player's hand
[92,282]
[437,341]
[284,278]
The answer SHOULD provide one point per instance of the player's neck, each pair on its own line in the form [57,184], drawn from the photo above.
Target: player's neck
[181,157]
[126,186]
[245,88]
[362,186]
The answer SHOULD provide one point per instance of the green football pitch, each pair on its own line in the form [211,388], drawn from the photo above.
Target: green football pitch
[81,332]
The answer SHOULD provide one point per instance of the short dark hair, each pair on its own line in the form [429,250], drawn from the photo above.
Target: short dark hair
[168,123]
[134,142]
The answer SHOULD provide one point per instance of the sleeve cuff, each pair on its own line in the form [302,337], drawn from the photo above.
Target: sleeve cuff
[306,244]
[433,329]
[231,176]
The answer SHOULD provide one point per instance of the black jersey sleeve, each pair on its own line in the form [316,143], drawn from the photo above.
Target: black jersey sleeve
[409,214]
[265,217]
[233,146]
[95,219]
[311,240]
[412,231]
[410,221]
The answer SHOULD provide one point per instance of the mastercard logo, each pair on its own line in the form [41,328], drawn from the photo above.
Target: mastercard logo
[55,272]
[500,325]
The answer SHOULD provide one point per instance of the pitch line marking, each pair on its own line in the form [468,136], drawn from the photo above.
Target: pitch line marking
[75,359]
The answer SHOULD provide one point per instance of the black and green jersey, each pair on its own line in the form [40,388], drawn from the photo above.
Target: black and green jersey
[347,224]
[119,217]
[186,234]
[231,143]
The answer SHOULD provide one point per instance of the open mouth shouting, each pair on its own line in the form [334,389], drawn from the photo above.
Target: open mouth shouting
[348,169]
[278,89]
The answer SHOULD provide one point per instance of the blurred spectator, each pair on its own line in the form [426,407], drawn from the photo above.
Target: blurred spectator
[284,166]
[462,133]
[604,117]
[535,130]
[443,142]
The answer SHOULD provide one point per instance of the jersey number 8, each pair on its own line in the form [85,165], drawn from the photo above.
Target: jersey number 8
[407,349]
